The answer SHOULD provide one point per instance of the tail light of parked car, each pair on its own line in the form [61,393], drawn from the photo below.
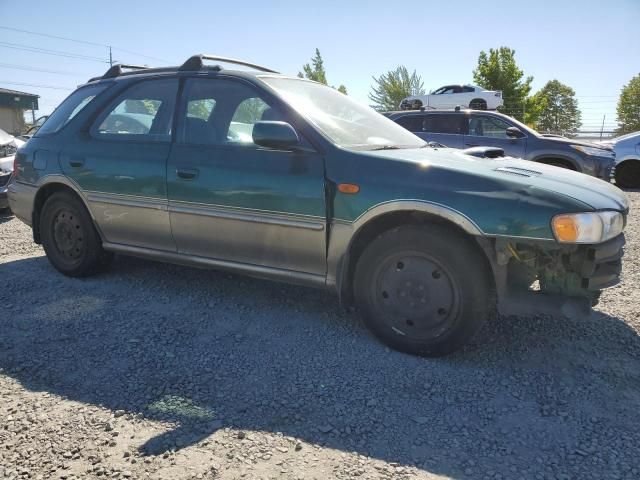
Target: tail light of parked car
[498,94]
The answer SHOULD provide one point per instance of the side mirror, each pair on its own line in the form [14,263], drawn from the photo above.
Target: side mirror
[514,132]
[278,135]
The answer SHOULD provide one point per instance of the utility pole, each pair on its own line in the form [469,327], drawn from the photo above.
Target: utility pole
[33,113]
[110,57]
[602,128]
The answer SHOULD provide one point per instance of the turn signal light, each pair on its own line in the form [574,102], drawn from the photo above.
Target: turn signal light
[350,188]
[566,228]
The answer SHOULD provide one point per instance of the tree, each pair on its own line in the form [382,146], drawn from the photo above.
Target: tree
[629,106]
[498,70]
[394,86]
[534,106]
[560,113]
[316,72]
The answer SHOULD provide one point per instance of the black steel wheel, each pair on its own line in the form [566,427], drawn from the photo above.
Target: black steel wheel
[69,237]
[423,290]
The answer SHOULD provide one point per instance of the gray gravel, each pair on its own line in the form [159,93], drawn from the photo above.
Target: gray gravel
[160,371]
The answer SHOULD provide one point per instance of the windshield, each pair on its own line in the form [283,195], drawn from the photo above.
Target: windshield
[344,121]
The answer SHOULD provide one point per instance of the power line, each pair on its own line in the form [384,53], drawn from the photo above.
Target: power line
[86,42]
[33,69]
[59,53]
[54,36]
[55,87]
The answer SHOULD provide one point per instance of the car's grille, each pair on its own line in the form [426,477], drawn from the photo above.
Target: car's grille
[4,178]
[7,150]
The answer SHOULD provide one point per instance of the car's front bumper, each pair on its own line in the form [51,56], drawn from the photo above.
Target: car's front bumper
[4,184]
[544,277]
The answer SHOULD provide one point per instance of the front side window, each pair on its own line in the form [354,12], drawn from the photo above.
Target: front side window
[220,111]
[69,108]
[443,123]
[486,126]
[143,112]
[345,122]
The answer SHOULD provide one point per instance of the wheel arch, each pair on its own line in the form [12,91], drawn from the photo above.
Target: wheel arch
[392,215]
[54,184]
[546,159]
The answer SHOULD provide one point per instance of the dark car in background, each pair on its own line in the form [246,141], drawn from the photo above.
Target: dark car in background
[472,128]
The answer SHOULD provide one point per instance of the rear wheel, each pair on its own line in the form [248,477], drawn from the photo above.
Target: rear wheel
[423,290]
[69,237]
[628,174]
[478,104]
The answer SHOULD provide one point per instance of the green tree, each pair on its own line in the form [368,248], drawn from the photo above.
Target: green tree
[315,71]
[629,106]
[560,114]
[534,106]
[498,70]
[392,87]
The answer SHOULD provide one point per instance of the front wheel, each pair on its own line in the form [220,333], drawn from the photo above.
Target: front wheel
[423,290]
[69,237]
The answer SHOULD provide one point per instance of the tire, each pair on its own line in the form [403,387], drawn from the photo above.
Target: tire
[69,237]
[423,290]
[628,174]
[478,104]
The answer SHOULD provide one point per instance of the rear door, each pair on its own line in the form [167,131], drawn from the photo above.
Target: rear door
[444,128]
[120,165]
[491,131]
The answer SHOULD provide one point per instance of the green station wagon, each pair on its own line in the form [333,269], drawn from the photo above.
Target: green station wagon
[283,178]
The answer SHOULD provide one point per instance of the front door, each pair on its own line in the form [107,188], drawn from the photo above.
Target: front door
[232,200]
[120,165]
[490,131]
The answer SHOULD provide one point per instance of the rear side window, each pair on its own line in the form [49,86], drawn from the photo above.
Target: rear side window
[143,112]
[69,108]
[443,124]
[413,123]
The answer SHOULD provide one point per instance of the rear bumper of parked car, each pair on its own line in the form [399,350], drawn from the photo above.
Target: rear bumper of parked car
[21,197]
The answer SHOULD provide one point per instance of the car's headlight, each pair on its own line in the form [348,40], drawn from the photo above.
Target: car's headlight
[593,227]
[598,152]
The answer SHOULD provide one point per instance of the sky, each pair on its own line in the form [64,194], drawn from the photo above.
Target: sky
[593,46]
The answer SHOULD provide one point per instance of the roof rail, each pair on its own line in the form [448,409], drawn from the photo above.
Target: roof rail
[196,62]
[118,68]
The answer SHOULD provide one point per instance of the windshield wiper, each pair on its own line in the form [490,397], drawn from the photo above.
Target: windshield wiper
[386,147]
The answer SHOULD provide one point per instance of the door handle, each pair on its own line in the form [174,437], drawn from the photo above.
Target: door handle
[187,173]
[76,162]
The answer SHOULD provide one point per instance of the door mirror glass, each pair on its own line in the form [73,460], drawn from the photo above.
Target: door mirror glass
[274,135]
[514,132]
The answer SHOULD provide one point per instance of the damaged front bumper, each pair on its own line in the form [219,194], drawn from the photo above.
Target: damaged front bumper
[539,277]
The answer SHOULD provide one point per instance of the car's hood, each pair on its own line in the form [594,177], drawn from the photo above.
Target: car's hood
[575,141]
[590,191]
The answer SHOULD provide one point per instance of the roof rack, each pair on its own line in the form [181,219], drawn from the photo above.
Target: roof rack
[117,70]
[196,62]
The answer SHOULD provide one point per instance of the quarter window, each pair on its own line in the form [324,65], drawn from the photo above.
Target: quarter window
[443,123]
[144,111]
[486,126]
[68,109]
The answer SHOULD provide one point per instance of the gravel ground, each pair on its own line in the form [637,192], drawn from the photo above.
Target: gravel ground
[160,371]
